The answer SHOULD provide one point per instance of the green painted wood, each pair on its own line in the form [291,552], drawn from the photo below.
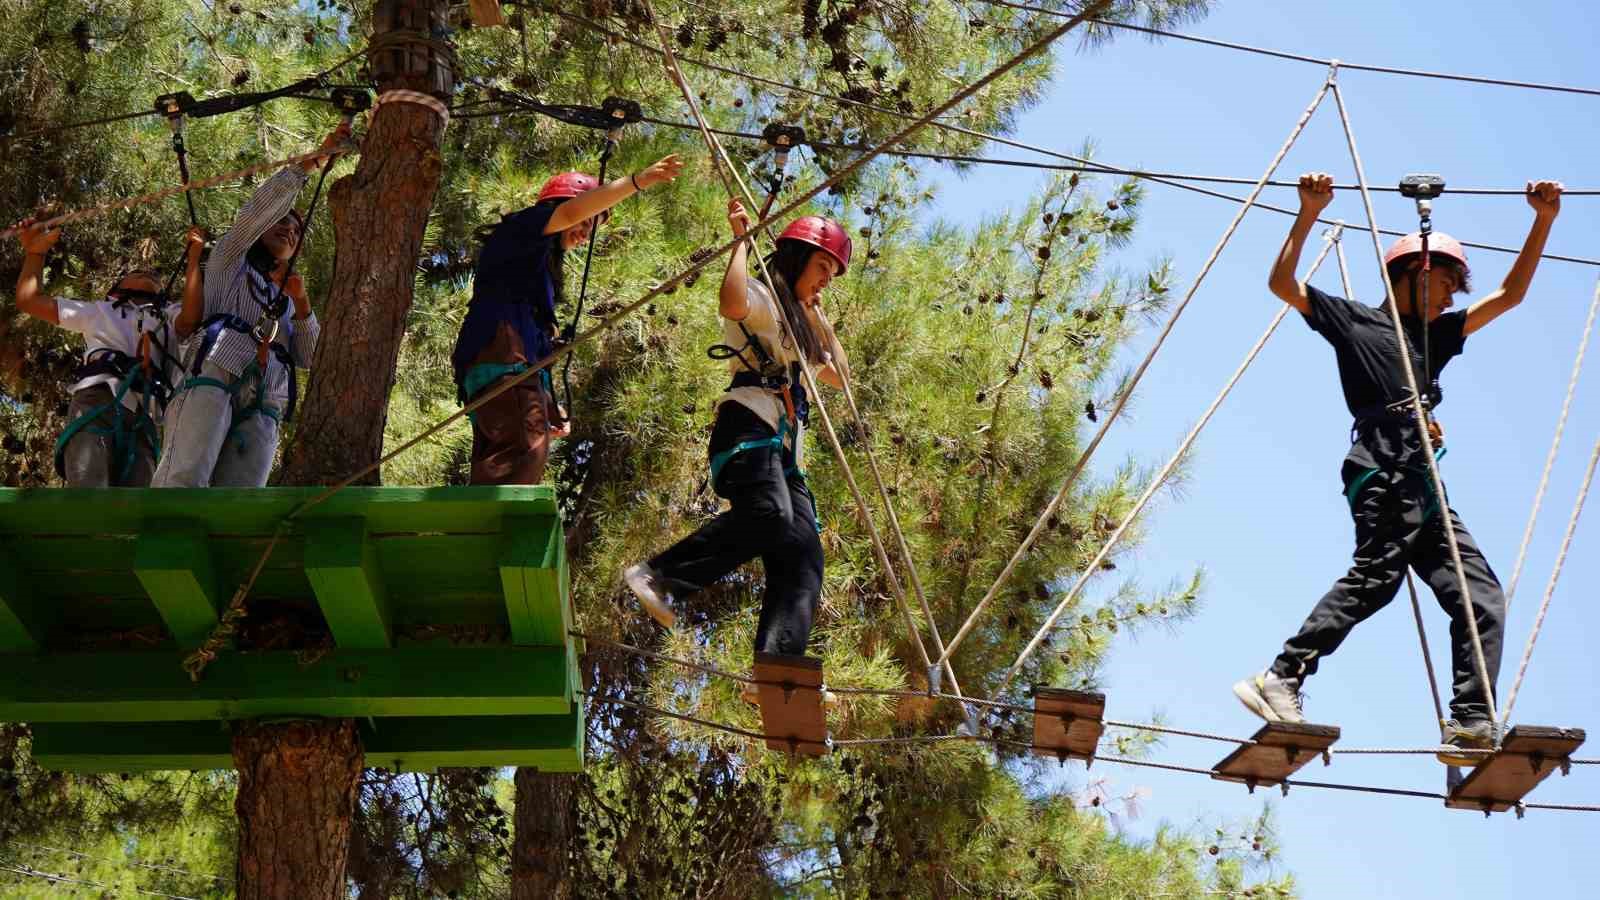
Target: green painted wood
[19,631]
[533,576]
[342,567]
[418,510]
[408,744]
[409,681]
[173,563]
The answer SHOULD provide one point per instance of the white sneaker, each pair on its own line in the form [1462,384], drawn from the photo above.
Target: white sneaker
[1271,697]
[645,583]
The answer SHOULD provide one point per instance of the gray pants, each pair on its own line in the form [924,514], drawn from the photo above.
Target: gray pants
[90,460]
[210,442]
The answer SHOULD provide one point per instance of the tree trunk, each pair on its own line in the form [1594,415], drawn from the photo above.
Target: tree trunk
[297,791]
[379,215]
[546,810]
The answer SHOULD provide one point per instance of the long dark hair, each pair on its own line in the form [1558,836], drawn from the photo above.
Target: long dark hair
[786,264]
[557,259]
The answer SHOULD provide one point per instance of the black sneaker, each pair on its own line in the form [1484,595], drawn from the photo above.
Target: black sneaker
[1472,734]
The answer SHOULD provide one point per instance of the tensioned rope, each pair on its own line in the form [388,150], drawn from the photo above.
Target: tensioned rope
[1092,568]
[1404,347]
[196,662]
[845,383]
[1020,145]
[1411,582]
[1128,388]
[1555,445]
[1299,57]
[1550,588]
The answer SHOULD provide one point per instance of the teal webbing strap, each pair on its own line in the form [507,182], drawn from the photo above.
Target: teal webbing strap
[257,406]
[122,434]
[1364,477]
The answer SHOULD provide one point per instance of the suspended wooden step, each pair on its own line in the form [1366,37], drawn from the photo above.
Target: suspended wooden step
[1527,756]
[446,608]
[486,13]
[790,688]
[1277,751]
[1067,724]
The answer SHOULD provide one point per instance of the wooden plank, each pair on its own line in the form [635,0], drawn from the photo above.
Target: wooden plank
[409,744]
[1067,724]
[173,563]
[533,577]
[486,13]
[418,510]
[21,630]
[1277,751]
[1526,757]
[341,565]
[409,681]
[791,703]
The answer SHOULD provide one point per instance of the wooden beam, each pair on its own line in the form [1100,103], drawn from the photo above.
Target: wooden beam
[174,565]
[486,13]
[408,744]
[409,681]
[1527,756]
[341,564]
[1277,751]
[791,703]
[1067,724]
[20,632]
[533,576]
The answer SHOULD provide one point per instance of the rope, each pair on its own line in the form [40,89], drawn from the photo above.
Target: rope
[1550,588]
[511,382]
[416,97]
[164,193]
[1411,584]
[1122,401]
[1298,57]
[25,869]
[228,625]
[684,717]
[1169,181]
[1555,444]
[1445,514]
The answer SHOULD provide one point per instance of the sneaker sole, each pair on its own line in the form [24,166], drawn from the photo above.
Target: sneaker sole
[1449,758]
[663,615]
[1253,701]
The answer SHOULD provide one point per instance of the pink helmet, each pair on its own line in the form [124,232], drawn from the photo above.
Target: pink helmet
[824,234]
[566,185]
[1438,242]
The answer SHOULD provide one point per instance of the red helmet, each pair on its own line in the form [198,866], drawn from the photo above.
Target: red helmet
[1438,242]
[824,234]
[567,185]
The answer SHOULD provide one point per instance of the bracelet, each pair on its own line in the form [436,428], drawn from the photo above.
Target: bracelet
[635,179]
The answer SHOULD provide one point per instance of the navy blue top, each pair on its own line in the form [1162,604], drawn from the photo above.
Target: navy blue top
[512,283]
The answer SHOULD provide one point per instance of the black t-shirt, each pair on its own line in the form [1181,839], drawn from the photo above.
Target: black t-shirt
[1363,342]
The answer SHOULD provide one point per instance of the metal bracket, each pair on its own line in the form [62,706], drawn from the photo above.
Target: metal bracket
[350,101]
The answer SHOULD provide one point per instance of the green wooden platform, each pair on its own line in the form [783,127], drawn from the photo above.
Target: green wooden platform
[102,593]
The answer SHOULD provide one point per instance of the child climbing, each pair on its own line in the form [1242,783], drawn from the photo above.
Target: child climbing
[255,329]
[119,391]
[1397,518]
[511,319]
[755,447]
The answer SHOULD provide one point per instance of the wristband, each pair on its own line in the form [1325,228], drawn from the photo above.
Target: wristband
[635,179]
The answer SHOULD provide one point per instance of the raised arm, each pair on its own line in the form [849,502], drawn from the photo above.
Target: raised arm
[589,204]
[733,301]
[31,299]
[270,202]
[1316,192]
[1545,198]
[194,297]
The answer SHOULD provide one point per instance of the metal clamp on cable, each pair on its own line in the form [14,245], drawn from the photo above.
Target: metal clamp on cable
[620,112]
[350,102]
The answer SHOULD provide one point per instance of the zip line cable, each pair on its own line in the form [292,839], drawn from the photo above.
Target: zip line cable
[197,661]
[811,385]
[1555,445]
[1447,516]
[1299,57]
[1124,396]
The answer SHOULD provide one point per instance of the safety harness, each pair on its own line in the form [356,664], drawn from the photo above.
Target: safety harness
[481,375]
[1397,413]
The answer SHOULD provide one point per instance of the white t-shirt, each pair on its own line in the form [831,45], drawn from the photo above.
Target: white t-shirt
[762,323]
[106,325]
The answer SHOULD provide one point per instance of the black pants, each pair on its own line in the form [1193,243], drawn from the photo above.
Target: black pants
[1391,534]
[772,517]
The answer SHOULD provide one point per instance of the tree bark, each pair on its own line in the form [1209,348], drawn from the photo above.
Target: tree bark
[545,818]
[297,790]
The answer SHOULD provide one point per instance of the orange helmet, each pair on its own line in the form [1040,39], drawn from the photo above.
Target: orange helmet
[1438,242]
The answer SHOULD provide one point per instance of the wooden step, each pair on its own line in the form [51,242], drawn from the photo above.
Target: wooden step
[791,703]
[1067,724]
[1278,750]
[1526,757]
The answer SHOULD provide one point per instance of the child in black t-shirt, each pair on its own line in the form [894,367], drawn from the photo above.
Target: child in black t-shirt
[1398,520]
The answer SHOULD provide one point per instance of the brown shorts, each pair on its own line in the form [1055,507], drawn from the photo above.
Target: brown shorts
[511,433]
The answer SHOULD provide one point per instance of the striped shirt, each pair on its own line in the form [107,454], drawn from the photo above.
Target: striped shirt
[234,287]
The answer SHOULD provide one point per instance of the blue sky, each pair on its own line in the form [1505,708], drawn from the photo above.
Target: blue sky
[1263,513]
